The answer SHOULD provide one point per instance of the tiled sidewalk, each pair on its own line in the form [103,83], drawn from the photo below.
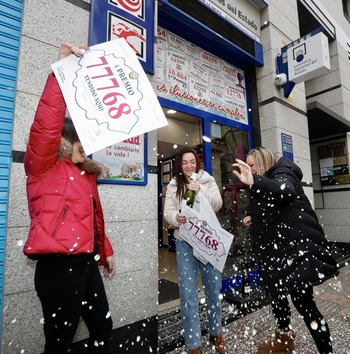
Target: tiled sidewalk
[333,300]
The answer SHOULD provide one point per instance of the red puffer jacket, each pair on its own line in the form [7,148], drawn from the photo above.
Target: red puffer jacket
[60,195]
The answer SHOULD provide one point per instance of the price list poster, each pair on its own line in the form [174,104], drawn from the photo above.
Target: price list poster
[187,74]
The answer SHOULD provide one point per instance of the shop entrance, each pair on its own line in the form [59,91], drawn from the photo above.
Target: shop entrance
[226,144]
[183,130]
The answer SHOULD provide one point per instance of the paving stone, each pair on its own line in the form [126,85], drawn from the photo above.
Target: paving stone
[245,332]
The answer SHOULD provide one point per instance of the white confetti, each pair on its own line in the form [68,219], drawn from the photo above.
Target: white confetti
[314,325]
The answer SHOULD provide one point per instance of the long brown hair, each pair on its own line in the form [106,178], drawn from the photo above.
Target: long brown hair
[264,159]
[177,170]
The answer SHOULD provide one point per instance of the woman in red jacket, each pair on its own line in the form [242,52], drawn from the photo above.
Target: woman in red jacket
[66,235]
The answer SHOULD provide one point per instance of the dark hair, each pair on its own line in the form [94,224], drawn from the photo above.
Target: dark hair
[177,170]
[69,132]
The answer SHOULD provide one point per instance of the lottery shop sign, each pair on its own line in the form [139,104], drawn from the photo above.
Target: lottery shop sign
[108,95]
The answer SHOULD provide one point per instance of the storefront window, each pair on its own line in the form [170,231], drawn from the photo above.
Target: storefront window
[346,7]
[227,144]
[334,169]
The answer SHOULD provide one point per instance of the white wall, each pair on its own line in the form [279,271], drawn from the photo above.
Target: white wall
[333,91]
[277,113]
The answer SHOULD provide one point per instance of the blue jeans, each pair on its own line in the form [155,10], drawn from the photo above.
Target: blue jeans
[188,266]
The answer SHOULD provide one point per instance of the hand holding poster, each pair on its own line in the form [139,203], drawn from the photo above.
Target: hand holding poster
[207,238]
[108,95]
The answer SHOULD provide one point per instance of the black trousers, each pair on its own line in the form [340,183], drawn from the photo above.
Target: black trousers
[304,302]
[69,287]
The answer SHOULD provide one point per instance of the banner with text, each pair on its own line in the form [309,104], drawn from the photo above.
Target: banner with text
[109,96]
[243,14]
[187,74]
[124,162]
[207,238]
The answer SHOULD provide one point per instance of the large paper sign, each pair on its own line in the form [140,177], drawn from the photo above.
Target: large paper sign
[108,95]
[210,240]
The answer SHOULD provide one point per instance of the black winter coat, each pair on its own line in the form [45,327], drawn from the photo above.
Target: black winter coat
[290,244]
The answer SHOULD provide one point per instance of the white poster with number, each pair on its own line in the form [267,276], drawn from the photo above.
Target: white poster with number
[108,95]
[207,238]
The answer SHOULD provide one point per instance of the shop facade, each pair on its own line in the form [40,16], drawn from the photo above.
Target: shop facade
[214,61]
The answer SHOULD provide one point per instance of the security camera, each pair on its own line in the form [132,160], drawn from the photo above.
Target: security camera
[280,79]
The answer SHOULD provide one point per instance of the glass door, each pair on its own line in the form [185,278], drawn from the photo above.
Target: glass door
[183,130]
[227,144]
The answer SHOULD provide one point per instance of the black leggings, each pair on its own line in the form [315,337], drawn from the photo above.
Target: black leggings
[304,302]
[69,287]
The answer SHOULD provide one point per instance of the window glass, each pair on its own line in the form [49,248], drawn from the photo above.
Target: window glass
[346,5]
[227,144]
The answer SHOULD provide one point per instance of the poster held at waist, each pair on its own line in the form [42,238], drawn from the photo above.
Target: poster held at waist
[206,236]
[108,95]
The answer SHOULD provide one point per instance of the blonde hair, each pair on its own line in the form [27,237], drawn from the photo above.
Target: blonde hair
[264,159]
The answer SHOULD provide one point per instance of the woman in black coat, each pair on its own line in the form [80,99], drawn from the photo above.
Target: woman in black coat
[290,245]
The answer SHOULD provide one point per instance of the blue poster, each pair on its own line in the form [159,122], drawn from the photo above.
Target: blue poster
[287,146]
